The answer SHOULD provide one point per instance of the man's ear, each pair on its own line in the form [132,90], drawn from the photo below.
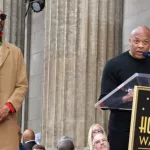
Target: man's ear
[130,41]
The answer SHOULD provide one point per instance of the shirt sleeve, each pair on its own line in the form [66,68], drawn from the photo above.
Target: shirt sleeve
[109,81]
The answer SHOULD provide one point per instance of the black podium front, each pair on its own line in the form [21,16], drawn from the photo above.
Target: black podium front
[140,120]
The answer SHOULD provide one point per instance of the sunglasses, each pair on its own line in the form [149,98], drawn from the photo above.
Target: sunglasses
[3,17]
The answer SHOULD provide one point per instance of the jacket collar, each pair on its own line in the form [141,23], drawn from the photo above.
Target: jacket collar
[5,52]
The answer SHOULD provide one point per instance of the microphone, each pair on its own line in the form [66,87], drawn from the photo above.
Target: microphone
[146,54]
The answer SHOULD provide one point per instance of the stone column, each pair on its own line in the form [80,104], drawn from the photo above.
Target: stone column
[80,36]
[14,26]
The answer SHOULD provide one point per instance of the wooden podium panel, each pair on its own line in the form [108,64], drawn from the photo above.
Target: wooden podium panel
[140,120]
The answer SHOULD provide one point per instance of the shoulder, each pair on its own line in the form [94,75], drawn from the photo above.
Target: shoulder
[12,47]
[114,62]
[120,57]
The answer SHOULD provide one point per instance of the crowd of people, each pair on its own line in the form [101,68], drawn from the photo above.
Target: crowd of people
[97,140]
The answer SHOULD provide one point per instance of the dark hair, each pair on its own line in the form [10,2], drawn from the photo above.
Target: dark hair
[37,146]
[65,144]
[64,138]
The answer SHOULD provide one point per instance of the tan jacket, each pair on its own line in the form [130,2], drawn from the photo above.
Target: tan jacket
[13,87]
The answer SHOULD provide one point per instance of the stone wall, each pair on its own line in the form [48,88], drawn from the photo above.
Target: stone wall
[136,12]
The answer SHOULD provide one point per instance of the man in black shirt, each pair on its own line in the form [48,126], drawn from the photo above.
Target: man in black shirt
[116,71]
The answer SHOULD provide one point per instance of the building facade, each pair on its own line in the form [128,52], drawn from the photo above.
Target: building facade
[65,47]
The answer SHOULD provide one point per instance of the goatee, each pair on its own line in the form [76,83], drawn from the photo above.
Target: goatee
[1,27]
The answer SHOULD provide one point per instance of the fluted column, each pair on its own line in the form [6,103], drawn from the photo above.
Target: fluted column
[109,41]
[14,24]
[80,36]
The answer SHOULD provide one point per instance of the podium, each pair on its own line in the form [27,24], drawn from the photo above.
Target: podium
[139,138]
[113,100]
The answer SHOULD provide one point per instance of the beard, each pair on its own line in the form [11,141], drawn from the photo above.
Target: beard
[1,27]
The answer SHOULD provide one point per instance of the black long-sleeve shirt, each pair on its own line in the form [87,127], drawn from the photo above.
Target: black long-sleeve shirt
[116,71]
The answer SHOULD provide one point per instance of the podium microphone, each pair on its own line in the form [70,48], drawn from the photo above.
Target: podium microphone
[146,54]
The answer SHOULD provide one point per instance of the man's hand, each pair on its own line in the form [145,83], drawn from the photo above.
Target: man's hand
[128,97]
[4,112]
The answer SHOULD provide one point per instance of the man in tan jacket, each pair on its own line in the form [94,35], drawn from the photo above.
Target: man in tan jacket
[13,87]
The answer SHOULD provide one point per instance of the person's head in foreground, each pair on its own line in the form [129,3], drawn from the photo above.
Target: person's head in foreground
[94,129]
[139,42]
[38,147]
[65,144]
[28,135]
[100,142]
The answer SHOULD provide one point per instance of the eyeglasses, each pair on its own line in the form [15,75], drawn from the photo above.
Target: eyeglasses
[99,141]
[97,131]
[3,16]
